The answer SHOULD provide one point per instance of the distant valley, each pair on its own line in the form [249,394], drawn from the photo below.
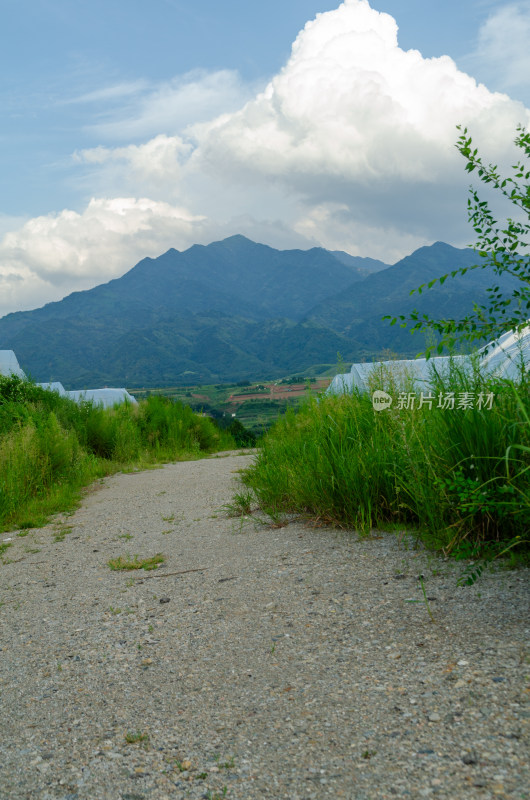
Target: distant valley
[236,310]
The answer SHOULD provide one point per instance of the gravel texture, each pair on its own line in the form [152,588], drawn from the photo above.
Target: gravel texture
[293,662]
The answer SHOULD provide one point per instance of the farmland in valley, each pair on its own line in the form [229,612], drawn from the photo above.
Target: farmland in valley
[255,405]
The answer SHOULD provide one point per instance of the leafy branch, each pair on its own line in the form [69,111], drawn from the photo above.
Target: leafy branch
[500,248]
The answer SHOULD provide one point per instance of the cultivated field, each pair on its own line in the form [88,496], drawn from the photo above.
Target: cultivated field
[255,405]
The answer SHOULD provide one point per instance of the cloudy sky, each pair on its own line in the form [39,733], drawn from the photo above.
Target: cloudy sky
[130,127]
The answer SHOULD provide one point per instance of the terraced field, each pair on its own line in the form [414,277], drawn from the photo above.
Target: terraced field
[255,405]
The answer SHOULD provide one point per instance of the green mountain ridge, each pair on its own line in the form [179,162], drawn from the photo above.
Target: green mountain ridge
[234,310]
[357,312]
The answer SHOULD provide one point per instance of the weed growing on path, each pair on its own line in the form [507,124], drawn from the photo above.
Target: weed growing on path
[241,505]
[60,533]
[128,563]
[138,738]
[216,796]
[425,600]
[4,546]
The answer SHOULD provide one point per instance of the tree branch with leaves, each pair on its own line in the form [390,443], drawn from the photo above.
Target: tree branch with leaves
[501,248]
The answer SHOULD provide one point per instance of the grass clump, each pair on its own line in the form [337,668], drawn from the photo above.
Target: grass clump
[61,532]
[4,546]
[460,476]
[128,563]
[240,506]
[137,738]
[50,446]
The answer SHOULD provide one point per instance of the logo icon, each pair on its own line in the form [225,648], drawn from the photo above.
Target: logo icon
[381,400]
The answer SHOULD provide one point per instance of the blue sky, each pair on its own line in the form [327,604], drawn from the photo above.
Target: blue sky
[130,127]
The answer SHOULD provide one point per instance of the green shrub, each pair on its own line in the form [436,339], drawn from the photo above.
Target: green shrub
[243,437]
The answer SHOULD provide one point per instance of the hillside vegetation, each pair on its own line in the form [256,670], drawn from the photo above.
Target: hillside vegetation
[234,310]
[50,446]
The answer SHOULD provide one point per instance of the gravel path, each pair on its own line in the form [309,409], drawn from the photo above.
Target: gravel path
[292,662]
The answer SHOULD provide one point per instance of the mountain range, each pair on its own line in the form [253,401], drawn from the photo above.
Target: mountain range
[236,310]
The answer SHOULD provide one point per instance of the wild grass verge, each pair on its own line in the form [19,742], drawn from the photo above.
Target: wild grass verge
[51,447]
[459,475]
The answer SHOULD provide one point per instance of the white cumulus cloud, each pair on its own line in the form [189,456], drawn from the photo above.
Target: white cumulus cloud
[351,106]
[354,121]
[350,145]
[52,255]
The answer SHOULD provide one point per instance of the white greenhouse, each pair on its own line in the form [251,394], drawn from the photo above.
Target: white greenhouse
[54,386]
[102,397]
[505,358]
[9,364]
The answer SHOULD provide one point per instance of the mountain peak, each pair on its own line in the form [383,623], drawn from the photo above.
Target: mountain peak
[237,237]
[229,310]
[230,244]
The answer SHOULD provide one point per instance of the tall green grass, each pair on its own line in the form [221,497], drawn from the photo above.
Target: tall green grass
[455,475]
[50,446]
